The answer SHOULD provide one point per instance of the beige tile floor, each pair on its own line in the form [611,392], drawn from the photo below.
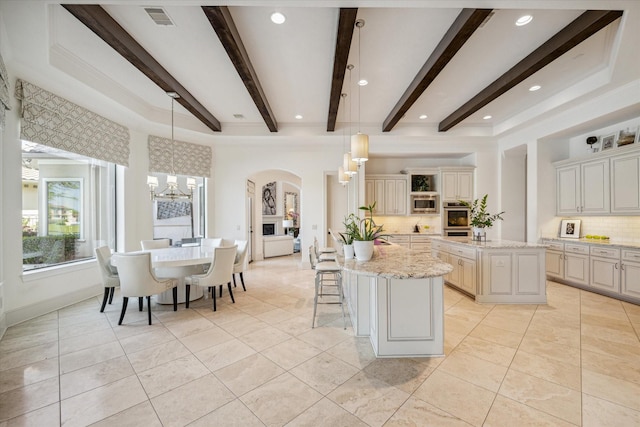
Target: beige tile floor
[575,361]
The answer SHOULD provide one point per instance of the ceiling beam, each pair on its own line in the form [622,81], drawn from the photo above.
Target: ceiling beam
[346,25]
[583,27]
[100,22]
[220,19]
[467,22]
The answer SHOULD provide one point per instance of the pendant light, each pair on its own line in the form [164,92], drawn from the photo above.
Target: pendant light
[171,191]
[343,177]
[350,167]
[359,141]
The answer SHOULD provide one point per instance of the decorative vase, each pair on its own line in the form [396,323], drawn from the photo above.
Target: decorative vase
[363,249]
[348,251]
[479,233]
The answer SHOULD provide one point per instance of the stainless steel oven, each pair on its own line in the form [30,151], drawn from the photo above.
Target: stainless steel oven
[424,203]
[456,219]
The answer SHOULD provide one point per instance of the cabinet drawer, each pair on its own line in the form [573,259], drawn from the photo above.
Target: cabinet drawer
[436,244]
[399,239]
[605,252]
[554,246]
[420,245]
[463,252]
[420,239]
[576,249]
[631,255]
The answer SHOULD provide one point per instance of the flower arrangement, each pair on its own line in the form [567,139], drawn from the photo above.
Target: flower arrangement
[480,218]
[362,229]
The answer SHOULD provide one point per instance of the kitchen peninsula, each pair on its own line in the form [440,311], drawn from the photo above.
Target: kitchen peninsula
[396,299]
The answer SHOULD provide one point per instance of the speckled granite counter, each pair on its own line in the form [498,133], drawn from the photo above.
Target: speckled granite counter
[491,244]
[393,261]
[632,244]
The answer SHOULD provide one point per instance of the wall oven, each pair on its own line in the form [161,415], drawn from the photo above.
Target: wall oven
[424,203]
[456,219]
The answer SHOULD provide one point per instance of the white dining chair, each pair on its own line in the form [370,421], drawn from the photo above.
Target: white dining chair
[138,280]
[219,273]
[211,242]
[155,244]
[240,261]
[108,273]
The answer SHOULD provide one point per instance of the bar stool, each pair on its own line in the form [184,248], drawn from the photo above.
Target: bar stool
[323,254]
[327,274]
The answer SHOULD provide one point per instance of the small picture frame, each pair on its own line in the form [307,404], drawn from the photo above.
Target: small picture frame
[627,137]
[607,142]
[570,228]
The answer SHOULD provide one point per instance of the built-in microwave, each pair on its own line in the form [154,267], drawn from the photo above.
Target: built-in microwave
[424,203]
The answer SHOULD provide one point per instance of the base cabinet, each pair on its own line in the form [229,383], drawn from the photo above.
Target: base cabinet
[356,292]
[630,273]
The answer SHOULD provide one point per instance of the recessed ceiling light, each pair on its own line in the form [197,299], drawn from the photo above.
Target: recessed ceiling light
[524,20]
[298,117]
[278,18]
[422,117]
[487,117]
[534,88]
[363,82]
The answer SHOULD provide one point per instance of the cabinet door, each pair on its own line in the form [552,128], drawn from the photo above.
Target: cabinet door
[630,279]
[450,186]
[390,197]
[555,264]
[369,191]
[379,192]
[454,276]
[401,196]
[465,186]
[568,190]
[625,184]
[576,268]
[468,276]
[594,184]
[605,274]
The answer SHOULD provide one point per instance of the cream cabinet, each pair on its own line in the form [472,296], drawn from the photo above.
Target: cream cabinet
[625,184]
[605,268]
[630,273]
[389,192]
[463,260]
[457,185]
[576,263]
[583,188]
[420,242]
[403,240]
[554,259]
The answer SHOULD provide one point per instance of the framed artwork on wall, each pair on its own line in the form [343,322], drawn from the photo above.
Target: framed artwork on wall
[607,142]
[570,228]
[627,136]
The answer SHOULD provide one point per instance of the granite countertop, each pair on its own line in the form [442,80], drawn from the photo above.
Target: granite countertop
[492,243]
[632,244]
[396,262]
[413,233]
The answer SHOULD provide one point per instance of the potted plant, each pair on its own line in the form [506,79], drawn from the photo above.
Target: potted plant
[351,227]
[479,217]
[368,232]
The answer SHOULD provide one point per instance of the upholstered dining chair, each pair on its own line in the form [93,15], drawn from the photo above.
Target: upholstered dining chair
[219,273]
[109,274]
[155,244]
[211,242]
[240,261]
[138,280]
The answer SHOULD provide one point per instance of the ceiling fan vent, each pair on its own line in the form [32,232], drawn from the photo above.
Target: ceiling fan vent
[159,16]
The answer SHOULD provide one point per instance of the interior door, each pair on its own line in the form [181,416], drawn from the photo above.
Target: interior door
[337,206]
[251,194]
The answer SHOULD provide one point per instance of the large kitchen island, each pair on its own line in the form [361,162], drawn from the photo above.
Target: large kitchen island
[396,299]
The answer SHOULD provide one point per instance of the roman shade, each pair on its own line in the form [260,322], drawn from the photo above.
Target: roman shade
[182,158]
[4,92]
[51,120]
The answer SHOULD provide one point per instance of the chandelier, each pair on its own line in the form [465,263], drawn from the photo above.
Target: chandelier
[171,191]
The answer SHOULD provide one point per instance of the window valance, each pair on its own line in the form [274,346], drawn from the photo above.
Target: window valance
[4,92]
[188,159]
[51,120]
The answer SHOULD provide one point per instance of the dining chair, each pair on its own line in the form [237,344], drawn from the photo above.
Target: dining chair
[327,274]
[155,244]
[109,274]
[240,261]
[219,273]
[137,279]
[211,242]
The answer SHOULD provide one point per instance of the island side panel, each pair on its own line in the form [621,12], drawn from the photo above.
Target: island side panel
[356,292]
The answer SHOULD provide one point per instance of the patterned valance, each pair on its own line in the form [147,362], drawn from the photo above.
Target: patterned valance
[4,92]
[51,120]
[188,159]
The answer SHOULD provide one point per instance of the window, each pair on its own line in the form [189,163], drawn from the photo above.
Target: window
[68,206]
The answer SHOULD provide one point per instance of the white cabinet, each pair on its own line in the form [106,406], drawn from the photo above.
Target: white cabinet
[605,268]
[457,185]
[625,184]
[463,260]
[389,192]
[583,188]
[400,240]
[512,275]
[420,242]
[630,273]
[576,263]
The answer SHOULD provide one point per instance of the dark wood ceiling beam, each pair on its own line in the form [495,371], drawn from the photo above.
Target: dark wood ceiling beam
[583,27]
[346,25]
[220,19]
[101,23]
[467,22]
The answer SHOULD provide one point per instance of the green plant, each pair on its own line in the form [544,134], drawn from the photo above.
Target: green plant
[367,228]
[351,229]
[479,215]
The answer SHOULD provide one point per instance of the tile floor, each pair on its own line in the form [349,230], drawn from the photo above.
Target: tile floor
[575,361]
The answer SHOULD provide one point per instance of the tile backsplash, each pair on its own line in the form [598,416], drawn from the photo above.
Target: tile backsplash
[618,228]
[404,224]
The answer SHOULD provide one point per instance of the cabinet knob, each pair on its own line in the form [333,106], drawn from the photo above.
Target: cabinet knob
[616,265]
[621,266]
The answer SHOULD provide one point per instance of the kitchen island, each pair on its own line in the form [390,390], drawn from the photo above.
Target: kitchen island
[396,299]
[495,271]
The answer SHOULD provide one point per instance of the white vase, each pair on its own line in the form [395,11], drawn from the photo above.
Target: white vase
[363,249]
[479,233]
[348,251]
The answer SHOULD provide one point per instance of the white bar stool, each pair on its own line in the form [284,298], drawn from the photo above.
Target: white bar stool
[327,274]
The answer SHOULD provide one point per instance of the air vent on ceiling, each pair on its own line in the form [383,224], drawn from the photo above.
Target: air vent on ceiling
[238,116]
[159,16]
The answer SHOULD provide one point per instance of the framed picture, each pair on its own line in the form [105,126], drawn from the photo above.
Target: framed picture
[607,142]
[570,228]
[627,136]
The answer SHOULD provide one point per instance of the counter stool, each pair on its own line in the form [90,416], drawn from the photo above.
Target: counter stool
[323,254]
[327,274]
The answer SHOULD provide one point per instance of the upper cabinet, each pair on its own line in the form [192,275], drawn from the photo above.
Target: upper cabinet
[389,192]
[457,184]
[602,184]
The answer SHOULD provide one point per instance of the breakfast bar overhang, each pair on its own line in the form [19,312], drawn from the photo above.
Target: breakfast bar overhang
[397,300]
